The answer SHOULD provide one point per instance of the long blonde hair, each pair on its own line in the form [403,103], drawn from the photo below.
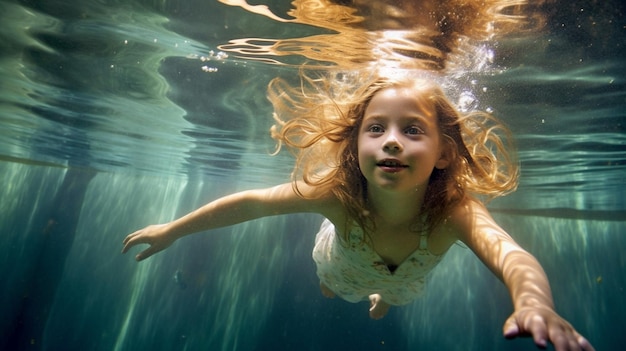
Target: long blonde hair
[319,120]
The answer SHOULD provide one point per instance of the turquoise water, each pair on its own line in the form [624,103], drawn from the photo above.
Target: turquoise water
[120,114]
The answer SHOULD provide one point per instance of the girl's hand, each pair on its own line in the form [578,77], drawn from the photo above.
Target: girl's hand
[157,236]
[544,325]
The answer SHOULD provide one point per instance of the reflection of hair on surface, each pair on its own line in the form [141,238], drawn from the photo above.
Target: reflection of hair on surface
[410,34]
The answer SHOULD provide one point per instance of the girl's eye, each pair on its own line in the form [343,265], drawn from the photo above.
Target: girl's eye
[375,129]
[414,130]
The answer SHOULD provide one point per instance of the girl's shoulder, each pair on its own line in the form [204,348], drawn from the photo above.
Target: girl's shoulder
[459,222]
[321,201]
[467,210]
[469,217]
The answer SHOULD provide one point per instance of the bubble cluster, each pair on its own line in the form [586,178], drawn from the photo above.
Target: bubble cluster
[211,56]
[467,101]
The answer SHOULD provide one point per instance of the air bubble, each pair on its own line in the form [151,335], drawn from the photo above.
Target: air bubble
[467,102]
[209,69]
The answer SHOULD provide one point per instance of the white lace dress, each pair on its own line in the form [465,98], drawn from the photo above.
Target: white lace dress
[354,270]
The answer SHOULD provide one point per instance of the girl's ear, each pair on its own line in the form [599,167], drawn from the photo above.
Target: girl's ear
[445,158]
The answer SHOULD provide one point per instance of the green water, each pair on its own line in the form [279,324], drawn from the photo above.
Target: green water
[120,114]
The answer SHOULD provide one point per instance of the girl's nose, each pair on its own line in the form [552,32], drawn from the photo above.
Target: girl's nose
[392,144]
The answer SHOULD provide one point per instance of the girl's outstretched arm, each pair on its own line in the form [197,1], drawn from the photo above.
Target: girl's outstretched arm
[522,274]
[228,210]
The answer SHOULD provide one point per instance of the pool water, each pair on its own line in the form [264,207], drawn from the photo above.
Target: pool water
[119,114]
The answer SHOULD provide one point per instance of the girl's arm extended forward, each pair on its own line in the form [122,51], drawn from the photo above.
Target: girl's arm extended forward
[228,210]
[534,313]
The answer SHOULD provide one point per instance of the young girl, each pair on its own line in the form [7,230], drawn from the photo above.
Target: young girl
[395,170]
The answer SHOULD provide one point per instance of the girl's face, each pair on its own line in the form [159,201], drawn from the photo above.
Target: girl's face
[399,142]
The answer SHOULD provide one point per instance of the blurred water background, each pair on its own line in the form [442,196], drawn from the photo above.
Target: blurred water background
[118,114]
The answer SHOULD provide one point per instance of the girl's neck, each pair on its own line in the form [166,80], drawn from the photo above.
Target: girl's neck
[392,208]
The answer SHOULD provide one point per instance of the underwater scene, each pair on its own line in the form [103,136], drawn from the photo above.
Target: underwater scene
[119,114]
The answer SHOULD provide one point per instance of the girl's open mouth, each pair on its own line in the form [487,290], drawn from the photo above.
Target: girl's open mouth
[390,165]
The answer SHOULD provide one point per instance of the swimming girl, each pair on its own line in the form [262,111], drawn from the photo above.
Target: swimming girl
[398,173]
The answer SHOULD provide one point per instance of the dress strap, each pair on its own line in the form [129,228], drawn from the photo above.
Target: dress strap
[423,242]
